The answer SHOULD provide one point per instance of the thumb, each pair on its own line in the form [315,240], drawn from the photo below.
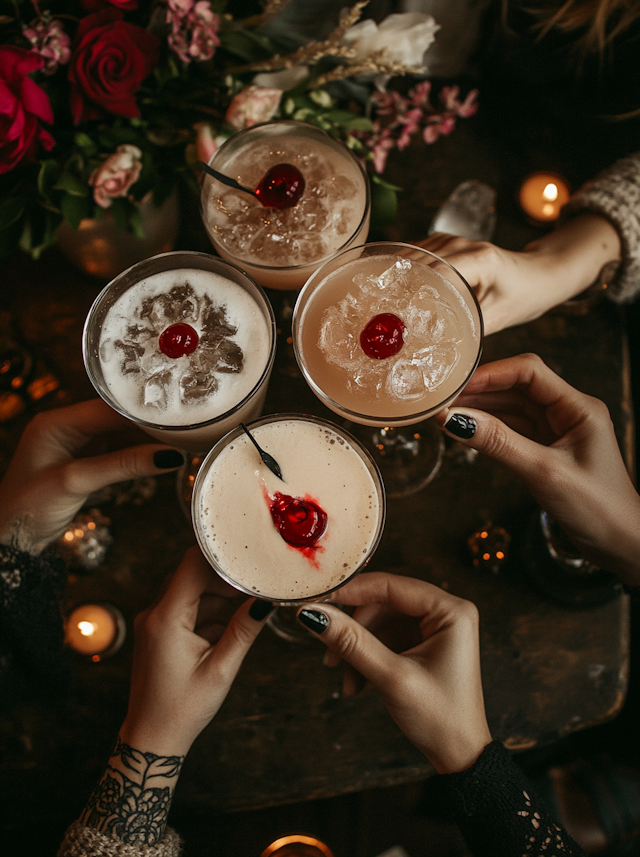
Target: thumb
[486,433]
[351,641]
[87,475]
[239,635]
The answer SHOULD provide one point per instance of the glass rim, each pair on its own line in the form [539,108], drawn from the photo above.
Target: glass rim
[373,420]
[103,390]
[340,144]
[234,433]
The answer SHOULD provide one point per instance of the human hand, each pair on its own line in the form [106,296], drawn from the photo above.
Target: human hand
[562,444]
[517,287]
[45,485]
[188,649]
[432,688]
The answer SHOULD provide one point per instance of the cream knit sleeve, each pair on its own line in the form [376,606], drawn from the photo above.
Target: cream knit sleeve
[83,841]
[615,194]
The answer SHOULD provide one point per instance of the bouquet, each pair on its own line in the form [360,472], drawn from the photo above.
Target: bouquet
[105,102]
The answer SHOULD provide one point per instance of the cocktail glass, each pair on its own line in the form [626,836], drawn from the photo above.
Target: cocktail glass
[422,329]
[191,399]
[281,248]
[267,537]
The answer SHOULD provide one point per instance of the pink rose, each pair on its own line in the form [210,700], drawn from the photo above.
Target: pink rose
[194,29]
[23,105]
[206,144]
[252,105]
[51,42]
[115,176]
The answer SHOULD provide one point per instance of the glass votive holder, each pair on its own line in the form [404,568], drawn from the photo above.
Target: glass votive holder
[542,196]
[297,845]
[95,631]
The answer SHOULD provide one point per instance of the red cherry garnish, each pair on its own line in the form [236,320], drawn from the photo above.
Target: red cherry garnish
[299,522]
[382,337]
[281,186]
[178,340]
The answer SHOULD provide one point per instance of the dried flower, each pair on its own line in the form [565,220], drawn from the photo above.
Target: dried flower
[50,41]
[194,29]
[114,177]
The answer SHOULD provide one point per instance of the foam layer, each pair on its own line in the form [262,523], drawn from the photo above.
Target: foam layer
[234,520]
[150,386]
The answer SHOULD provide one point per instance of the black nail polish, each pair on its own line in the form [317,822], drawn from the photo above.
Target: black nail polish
[461,426]
[259,610]
[166,458]
[314,620]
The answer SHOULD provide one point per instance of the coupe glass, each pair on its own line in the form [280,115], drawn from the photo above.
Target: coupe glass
[241,535]
[422,329]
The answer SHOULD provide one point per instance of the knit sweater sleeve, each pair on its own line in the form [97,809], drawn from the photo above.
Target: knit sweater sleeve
[497,811]
[615,194]
[81,841]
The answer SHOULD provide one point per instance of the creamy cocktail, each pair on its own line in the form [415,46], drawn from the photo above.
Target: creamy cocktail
[297,538]
[387,334]
[278,243]
[183,345]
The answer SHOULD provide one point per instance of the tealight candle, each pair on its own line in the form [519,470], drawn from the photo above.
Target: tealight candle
[297,845]
[95,630]
[542,196]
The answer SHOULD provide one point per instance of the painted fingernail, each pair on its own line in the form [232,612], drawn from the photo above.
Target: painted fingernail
[461,425]
[259,610]
[314,620]
[166,458]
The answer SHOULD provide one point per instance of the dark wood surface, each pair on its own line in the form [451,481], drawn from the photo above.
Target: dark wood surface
[285,734]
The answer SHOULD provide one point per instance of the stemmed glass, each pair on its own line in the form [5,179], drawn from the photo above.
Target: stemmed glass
[386,335]
[295,539]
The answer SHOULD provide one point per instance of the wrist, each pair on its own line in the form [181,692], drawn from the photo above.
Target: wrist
[459,753]
[149,739]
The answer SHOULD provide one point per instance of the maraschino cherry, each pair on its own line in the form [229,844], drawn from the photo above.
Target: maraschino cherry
[383,336]
[300,522]
[177,340]
[281,186]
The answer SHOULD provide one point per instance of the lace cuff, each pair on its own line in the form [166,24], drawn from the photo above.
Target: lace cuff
[615,194]
[497,812]
[80,841]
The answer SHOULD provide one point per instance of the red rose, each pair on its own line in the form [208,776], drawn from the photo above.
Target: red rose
[109,62]
[23,104]
[94,5]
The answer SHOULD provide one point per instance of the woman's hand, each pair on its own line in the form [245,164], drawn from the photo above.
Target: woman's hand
[187,651]
[562,444]
[432,686]
[45,485]
[517,287]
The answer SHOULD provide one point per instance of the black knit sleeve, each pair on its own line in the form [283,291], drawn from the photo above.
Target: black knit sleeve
[32,654]
[498,813]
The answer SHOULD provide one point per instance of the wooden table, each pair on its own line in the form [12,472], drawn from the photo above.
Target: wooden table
[285,734]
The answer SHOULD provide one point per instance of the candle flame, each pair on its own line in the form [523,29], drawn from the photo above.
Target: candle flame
[86,628]
[550,192]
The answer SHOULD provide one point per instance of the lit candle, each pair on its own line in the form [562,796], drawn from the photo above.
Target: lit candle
[297,845]
[96,630]
[542,196]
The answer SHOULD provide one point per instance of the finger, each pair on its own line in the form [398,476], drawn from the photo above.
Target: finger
[406,595]
[83,476]
[182,596]
[355,645]
[239,635]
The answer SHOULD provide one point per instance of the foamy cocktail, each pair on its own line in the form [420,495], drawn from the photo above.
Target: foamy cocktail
[293,539]
[182,344]
[387,334]
[315,201]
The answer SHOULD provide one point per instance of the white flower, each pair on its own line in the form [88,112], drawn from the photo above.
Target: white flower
[405,37]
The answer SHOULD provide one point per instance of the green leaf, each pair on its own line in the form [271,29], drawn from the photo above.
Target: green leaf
[135,222]
[72,185]
[338,117]
[85,144]
[11,210]
[47,177]
[75,209]
[384,205]
[120,212]
[247,45]
[376,179]
[358,123]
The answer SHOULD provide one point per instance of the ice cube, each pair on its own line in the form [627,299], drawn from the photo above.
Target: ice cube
[156,390]
[181,304]
[197,384]
[131,354]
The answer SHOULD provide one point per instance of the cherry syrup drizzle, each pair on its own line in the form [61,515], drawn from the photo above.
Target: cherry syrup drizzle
[383,336]
[300,522]
[177,340]
[281,186]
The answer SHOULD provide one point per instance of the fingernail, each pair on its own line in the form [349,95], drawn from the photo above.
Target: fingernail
[259,610]
[461,425]
[314,620]
[166,458]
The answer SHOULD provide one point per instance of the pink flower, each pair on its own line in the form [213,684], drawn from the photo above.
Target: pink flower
[51,42]
[252,105]
[380,151]
[206,144]
[23,105]
[114,177]
[194,29]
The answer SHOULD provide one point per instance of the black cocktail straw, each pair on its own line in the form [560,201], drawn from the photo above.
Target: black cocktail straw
[269,460]
[226,180]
